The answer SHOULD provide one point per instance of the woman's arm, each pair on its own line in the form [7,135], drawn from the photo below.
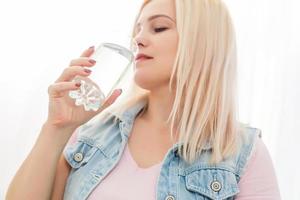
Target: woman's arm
[35,178]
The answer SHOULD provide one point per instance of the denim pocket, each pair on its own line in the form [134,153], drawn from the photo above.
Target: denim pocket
[211,183]
[79,154]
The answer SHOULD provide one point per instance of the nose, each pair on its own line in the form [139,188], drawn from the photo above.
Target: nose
[141,40]
[139,43]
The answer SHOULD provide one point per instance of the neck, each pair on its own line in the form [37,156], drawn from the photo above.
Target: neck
[157,110]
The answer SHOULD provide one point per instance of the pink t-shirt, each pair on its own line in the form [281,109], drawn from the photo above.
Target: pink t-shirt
[126,178]
[258,182]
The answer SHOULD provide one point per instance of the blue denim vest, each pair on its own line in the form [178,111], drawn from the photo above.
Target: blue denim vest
[100,145]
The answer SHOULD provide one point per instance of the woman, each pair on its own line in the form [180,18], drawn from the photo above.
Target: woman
[174,136]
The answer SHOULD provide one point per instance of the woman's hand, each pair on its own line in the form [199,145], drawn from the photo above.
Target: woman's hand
[62,111]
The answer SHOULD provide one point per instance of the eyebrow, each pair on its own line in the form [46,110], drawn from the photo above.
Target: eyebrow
[156,16]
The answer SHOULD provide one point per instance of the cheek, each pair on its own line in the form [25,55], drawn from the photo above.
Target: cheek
[166,62]
[158,71]
[168,51]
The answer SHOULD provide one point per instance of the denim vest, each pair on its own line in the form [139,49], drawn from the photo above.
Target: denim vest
[99,147]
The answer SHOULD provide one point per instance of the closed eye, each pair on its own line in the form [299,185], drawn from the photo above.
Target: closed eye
[160,29]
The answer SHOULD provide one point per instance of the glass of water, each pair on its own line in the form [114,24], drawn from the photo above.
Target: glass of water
[113,63]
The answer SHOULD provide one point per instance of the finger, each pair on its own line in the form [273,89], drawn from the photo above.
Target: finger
[82,61]
[88,52]
[69,73]
[59,89]
[112,98]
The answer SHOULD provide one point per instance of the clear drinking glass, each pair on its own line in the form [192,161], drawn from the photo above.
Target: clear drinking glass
[113,62]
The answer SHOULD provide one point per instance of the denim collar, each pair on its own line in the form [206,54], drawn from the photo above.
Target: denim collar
[130,114]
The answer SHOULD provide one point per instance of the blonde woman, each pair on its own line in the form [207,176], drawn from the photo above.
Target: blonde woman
[175,134]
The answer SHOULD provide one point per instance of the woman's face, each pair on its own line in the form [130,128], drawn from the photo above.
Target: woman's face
[156,36]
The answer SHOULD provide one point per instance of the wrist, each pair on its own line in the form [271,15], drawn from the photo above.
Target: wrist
[57,133]
[58,127]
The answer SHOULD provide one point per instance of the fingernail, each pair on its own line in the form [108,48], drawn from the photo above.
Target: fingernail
[92,61]
[78,84]
[87,70]
[91,47]
[120,90]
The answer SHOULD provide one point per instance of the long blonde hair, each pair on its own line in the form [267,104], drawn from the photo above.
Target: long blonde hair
[205,74]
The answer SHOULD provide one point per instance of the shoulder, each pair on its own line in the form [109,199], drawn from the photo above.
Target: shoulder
[94,135]
[96,130]
[259,179]
[248,141]
[258,157]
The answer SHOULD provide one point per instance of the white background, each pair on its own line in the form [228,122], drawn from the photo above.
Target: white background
[39,38]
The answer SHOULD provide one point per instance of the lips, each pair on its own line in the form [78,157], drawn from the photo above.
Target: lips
[141,56]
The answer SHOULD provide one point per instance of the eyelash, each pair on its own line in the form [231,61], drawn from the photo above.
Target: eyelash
[157,30]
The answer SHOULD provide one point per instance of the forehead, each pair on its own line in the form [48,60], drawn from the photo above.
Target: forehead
[158,7]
